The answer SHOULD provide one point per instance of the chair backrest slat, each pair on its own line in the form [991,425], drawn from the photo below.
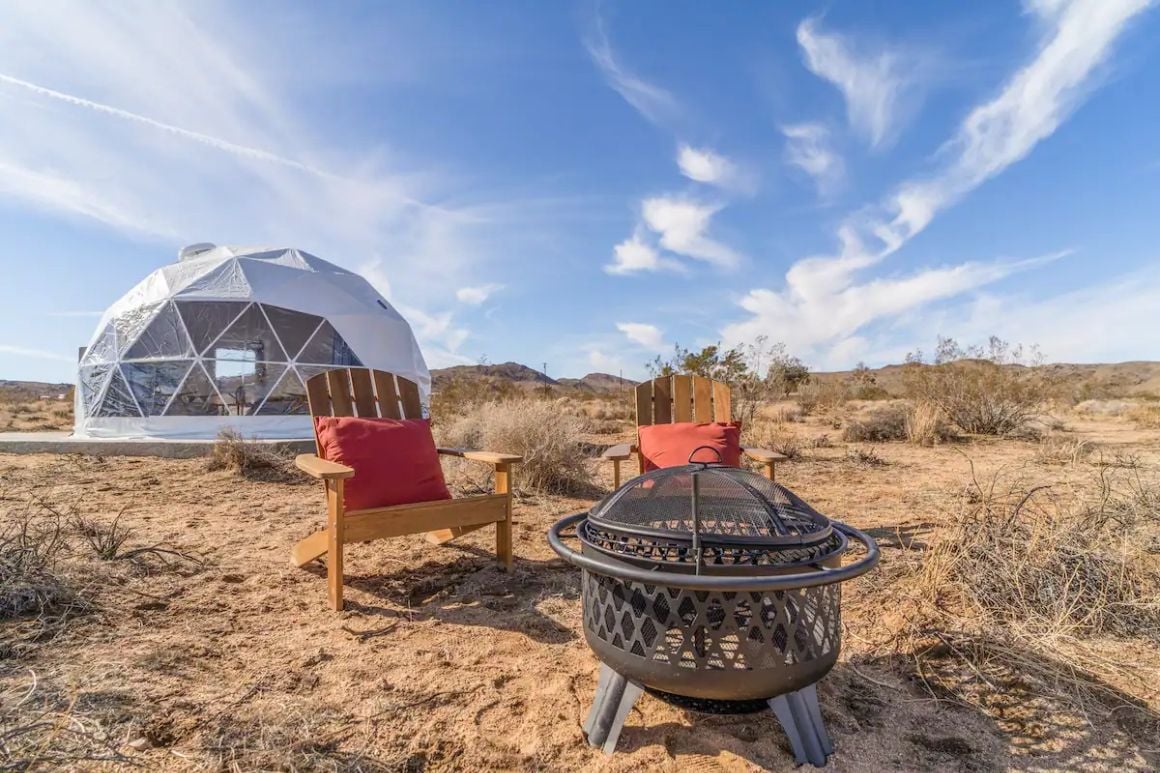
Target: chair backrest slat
[364,392]
[409,392]
[662,401]
[702,400]
[338,382]
[644,403]
[722,403]
[682,398]
[388,395]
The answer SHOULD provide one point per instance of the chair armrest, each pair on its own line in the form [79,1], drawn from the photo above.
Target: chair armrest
[322,469]
[763,455]
[619,452]
[490,457]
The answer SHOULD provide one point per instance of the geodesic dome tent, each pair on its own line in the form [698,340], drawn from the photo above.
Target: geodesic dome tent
[226,337]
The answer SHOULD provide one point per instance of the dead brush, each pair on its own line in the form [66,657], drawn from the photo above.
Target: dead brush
[1054,449]
[249,459]
[1031,578]
[29,581]
[865,457]
[108,540]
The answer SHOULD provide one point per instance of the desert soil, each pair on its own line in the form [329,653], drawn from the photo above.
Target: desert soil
[442,662]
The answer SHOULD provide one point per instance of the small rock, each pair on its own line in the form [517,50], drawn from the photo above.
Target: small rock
[139,744]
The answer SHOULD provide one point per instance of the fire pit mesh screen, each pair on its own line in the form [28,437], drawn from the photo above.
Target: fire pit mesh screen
[657,549]
[708,630]
[731,502]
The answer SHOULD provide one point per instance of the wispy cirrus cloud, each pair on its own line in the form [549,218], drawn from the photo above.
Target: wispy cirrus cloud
[656,104]
[808,147]
[823,301]
[39,354]
[473,296]
[876,84]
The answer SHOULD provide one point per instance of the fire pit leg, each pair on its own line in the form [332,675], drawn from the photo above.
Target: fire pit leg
[801,718]
[615,696]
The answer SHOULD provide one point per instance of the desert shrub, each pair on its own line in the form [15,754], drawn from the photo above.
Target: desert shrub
[887,422]
[550,441]
[821,396]
[978,396]
[249,459]
[927,425]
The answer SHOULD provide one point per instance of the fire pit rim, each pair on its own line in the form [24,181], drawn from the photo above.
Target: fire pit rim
[751,583]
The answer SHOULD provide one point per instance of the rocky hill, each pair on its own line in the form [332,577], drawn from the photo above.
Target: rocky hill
[521,376]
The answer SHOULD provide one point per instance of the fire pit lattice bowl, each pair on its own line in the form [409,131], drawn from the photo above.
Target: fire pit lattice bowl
[715,589]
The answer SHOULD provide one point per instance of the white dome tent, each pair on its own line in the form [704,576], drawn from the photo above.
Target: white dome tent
[226,337]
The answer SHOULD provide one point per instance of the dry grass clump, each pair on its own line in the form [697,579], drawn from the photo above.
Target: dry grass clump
[771,434]
[927,425]
[980,397]
[249,459]
[549,440]
[1146,416]
[1056,449]
[887,422]
[817,397]
[1031,579]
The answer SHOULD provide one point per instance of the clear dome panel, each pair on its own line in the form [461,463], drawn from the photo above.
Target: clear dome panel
[92,379]
[154,383]
[117,401]
[131,324]
[243,384]
[105,348]
[163,338]
[206,320]
[294,328]
[249,339]
[287,398]
[196,396]
[327,347]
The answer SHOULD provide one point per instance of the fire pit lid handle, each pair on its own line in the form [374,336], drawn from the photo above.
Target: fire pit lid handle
[720,458]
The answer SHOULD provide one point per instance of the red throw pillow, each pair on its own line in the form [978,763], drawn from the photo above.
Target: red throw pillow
[669,445]
[394,460]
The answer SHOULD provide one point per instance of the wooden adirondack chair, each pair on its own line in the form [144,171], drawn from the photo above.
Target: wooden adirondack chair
[671,399]
[376,393]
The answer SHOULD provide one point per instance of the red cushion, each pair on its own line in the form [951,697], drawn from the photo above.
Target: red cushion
[394,460]
[669,445]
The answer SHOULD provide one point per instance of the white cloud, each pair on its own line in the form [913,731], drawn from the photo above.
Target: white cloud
[473,296]
[682,226]
[807,146]
[634,255]
[39,354]
[654,103]
[707,166]
[874,84]
[648,336]
[600,362]
[823,300]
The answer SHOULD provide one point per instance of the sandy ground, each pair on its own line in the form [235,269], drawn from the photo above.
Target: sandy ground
[442,662]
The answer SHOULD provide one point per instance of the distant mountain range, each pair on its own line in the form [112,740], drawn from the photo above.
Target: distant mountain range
[528,378]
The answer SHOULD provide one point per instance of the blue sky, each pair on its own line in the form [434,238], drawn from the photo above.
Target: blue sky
[586,184]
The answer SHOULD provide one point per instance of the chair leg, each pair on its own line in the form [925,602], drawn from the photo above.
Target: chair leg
[334,535]
[615,474]
[503,529]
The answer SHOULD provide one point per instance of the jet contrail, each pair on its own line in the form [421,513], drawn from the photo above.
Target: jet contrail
[214,142]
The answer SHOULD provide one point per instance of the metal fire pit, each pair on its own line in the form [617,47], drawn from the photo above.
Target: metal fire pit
[715,589]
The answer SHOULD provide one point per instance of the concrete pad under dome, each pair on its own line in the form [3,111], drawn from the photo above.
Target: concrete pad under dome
[67,443]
